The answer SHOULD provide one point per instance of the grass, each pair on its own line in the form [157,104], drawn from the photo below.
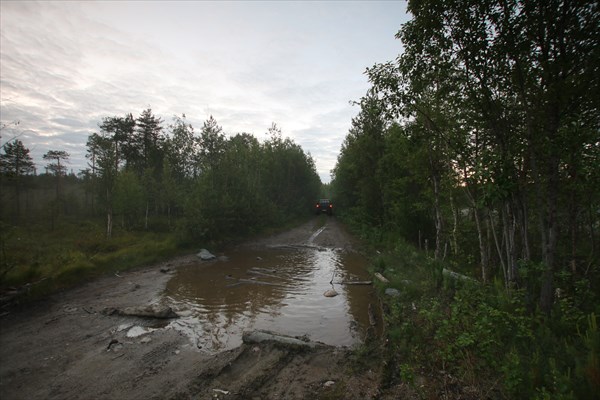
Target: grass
[50,260]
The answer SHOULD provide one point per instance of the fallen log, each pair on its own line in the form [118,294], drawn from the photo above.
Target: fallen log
[381,277]
[151,311]
[256,337]
[354,283]
[457,276]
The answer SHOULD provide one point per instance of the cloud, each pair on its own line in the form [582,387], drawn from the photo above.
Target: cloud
[66,65]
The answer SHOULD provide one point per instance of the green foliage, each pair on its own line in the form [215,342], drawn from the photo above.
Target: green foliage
[407,373]
[499,122]
[54,157]
[15,161]
[249,186]
[479,144]
[483,335]
[128,198]
[512,371]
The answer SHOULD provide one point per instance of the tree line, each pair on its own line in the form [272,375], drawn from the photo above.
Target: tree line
[143,175]
[482,141]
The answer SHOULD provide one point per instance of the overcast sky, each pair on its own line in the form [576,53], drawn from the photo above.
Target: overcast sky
[66,65]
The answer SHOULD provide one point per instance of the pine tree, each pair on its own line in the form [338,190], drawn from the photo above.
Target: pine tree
[14,163]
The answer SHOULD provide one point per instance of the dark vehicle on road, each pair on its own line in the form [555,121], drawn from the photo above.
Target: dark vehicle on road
[324,206]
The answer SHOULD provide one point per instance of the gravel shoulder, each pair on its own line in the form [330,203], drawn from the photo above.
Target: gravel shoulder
[66,348]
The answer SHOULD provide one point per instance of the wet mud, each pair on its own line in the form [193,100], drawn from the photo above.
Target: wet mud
[68,348]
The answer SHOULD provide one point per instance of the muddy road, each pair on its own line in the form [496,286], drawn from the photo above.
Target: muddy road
[81,344]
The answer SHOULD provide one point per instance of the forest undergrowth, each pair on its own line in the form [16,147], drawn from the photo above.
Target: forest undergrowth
[449,338]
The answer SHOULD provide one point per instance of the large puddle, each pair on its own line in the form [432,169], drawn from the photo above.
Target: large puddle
[279,290]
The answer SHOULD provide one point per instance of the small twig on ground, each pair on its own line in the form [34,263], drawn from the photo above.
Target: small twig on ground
[52,320]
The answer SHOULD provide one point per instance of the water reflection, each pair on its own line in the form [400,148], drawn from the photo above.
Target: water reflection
[279,290]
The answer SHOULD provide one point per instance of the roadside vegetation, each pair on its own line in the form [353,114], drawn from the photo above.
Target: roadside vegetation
[477,151]
[151,192]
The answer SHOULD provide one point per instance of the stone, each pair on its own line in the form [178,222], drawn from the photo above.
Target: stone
[184,313]
[392,292]
[206,255]
[136,331]
[330,293]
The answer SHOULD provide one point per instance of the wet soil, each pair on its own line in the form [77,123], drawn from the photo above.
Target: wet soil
[67,348]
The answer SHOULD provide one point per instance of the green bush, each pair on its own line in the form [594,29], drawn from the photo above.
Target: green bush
[486,335]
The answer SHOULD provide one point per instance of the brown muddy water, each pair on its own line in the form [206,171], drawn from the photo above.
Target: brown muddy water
[277,289]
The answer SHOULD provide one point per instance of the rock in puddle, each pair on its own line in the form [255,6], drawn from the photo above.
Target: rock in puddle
[206,255]
[136,331]
[184,313]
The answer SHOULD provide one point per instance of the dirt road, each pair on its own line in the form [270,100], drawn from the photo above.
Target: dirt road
[68,348]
